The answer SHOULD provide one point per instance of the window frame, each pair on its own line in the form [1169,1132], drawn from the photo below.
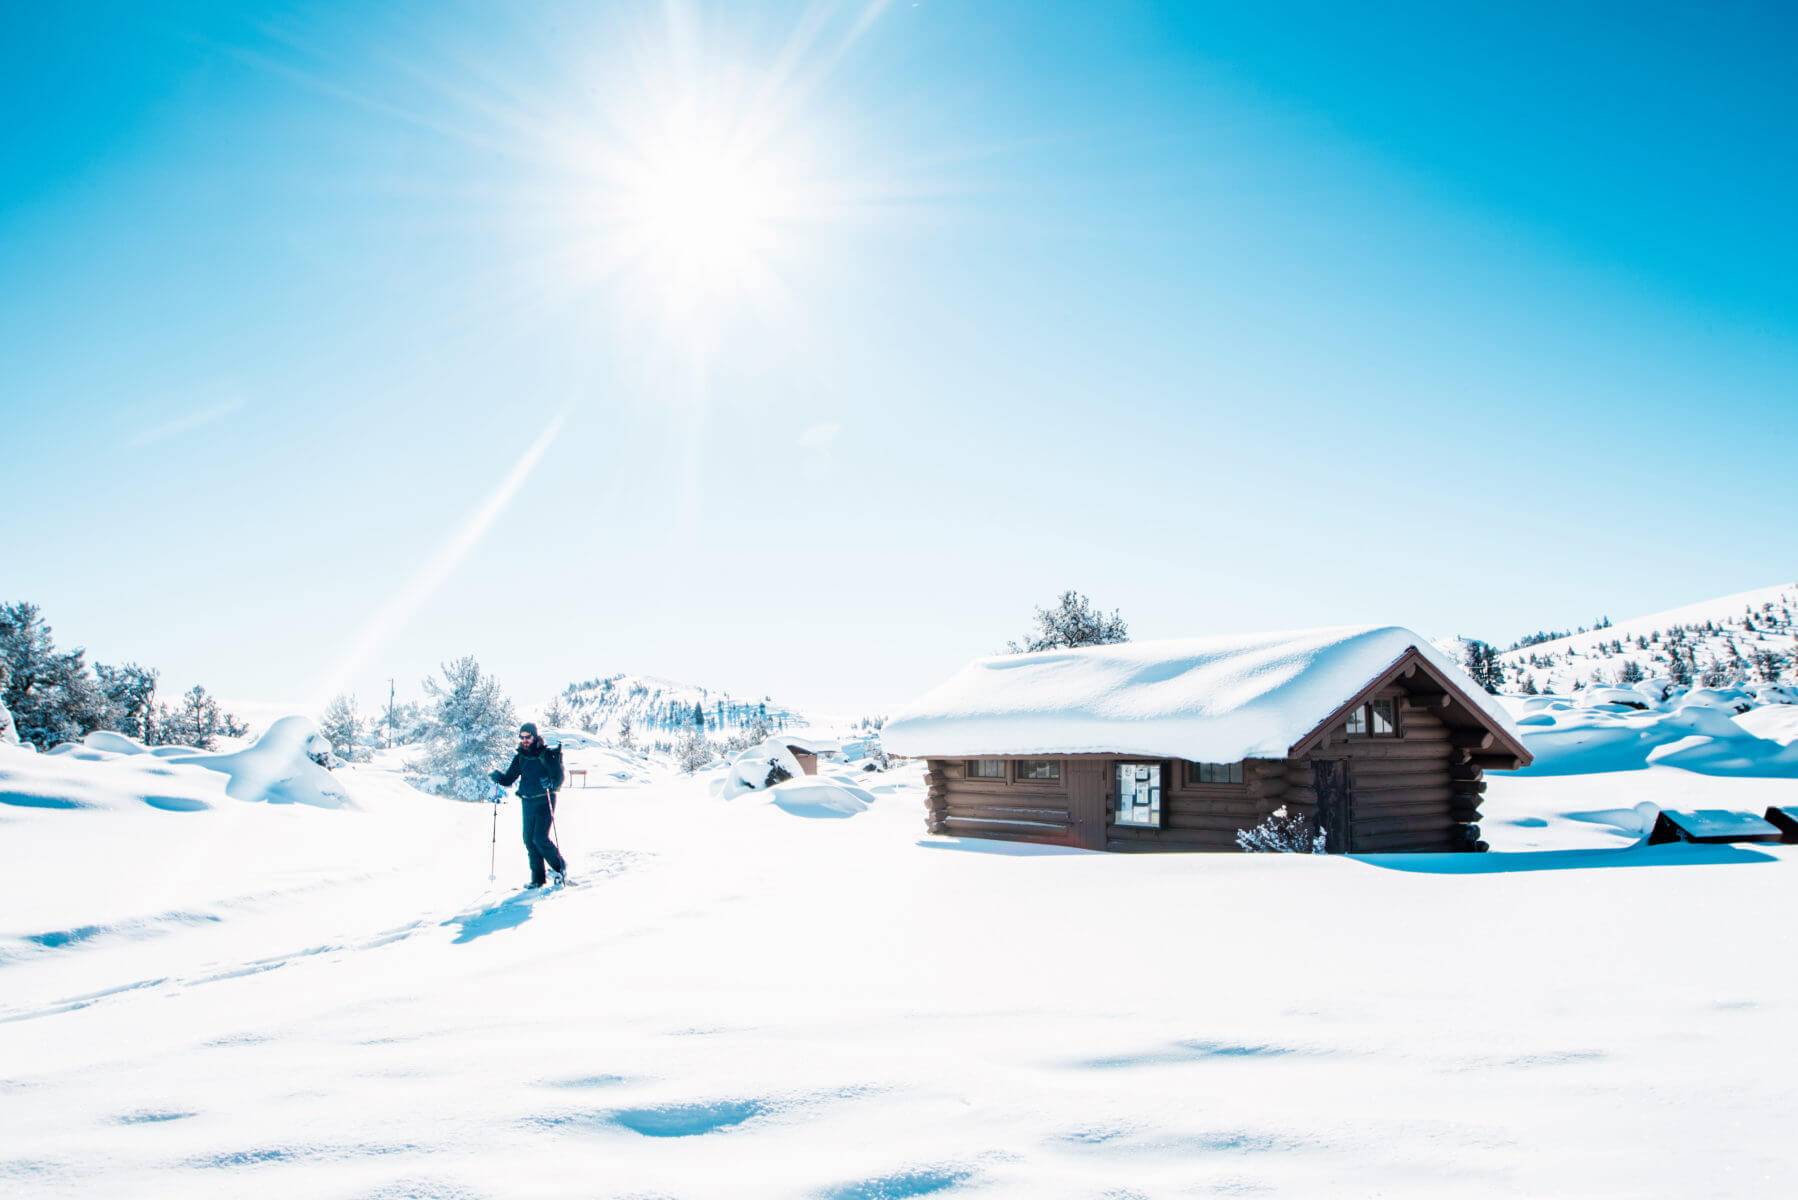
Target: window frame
[970,771]
[1017,772]
[1193,767]
[1369,733]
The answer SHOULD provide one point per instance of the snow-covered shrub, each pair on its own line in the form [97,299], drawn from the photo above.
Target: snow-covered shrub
[1283,833]
[469,729]
[9,733]
[692,753]
[344,727]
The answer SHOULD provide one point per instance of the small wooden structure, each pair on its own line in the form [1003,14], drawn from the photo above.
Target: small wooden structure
[579,773]
[809,751]
[1396,766]
[1711,826]
[1785,820]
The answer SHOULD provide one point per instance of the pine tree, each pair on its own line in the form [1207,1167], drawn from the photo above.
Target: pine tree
[198,722]
[51,695]
[556,715]
[626,739]
[1482,663]
[130,695]
[343,727]
[468,730]
[1630,672]
[1071,622]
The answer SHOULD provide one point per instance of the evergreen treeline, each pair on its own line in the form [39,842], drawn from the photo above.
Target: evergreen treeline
[55,696]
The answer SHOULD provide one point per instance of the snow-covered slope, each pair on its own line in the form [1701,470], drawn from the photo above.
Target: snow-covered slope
[662,708]
[737,1001]
[1750,636]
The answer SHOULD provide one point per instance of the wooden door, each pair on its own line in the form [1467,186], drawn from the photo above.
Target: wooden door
[1086,802]
[1335,803]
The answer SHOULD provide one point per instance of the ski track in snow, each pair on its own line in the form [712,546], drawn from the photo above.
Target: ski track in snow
[475,921]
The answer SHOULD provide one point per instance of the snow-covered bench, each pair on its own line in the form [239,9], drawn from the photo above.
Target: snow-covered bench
[1711,826]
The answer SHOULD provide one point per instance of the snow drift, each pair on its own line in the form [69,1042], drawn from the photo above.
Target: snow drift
[1214,699]
[813,797]
[762,765]
[1700,731]
[281,767]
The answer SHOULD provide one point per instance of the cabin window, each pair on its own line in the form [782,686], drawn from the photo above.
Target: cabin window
[1204,772]
[986,768]
[1376,718]
[1385,718]
[1138,795]
[1038,770]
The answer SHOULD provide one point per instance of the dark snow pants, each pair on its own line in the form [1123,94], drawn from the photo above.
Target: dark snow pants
[537,812]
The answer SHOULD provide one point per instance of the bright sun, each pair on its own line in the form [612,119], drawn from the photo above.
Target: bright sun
[701,213]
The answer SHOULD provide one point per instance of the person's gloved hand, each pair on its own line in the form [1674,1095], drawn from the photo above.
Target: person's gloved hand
[494,775]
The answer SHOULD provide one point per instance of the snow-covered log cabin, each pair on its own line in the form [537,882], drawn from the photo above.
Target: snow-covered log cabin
[1372,733]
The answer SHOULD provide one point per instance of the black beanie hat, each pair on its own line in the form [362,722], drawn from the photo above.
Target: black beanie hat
[528,727]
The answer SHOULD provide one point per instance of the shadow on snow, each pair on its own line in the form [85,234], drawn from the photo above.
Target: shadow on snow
[997,846]
[509,913]
[1503,862]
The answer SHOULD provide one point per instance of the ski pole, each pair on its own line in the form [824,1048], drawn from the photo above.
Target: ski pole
[493,846]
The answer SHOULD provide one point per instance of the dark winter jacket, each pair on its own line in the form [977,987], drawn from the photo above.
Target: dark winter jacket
[537,771]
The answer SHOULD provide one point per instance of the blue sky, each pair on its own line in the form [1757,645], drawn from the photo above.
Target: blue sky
[843,335]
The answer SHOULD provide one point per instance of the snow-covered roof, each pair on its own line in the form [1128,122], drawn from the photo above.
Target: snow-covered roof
[1210,699]
[809,744]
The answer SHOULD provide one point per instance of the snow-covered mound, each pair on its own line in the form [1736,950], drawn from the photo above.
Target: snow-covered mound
[9,732]
[1213,699]
[808,796]
[280,768]
[1698,733]
[86,778]
[753,769]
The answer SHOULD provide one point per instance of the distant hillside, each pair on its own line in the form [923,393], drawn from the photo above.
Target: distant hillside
[659,709]
[1750,637]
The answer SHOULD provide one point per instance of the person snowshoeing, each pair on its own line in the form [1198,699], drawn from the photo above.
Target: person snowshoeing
[537,769]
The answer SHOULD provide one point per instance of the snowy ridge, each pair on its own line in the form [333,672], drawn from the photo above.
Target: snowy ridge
[1212,699]
[1748,637]
[660,706]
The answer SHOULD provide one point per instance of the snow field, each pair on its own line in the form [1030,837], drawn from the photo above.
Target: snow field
[738,1002]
